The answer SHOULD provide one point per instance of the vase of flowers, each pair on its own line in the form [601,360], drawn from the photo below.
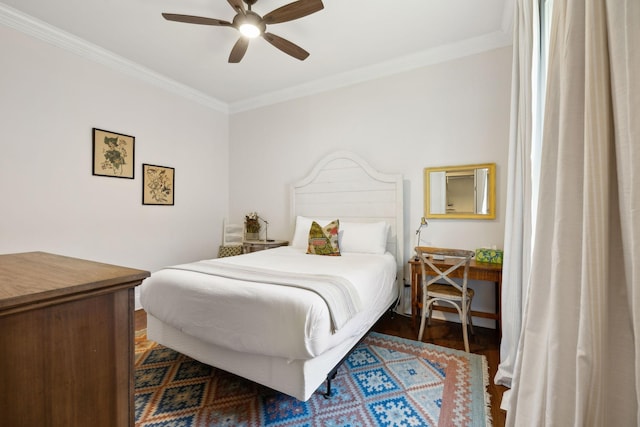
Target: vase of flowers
[251,226]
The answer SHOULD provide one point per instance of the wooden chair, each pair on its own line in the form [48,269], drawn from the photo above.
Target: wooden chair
[451,292]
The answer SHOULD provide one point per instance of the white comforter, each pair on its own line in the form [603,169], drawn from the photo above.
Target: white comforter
[270,319]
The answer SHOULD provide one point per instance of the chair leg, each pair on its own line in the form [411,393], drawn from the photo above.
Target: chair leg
[422,317]
[470,318]
[465,336]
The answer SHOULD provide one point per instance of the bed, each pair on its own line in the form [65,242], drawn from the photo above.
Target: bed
[281,317]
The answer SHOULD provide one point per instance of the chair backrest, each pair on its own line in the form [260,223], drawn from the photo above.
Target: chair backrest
[462,258]
[232,234]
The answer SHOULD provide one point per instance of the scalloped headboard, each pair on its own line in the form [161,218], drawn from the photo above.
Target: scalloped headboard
[343,185]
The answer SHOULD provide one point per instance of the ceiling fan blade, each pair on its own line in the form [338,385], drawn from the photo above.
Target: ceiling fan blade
[292,11]
[238,6]
[239,49]
[286,46]
[196,20]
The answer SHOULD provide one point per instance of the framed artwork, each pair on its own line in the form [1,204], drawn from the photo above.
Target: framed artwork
[113,154]
[158,185]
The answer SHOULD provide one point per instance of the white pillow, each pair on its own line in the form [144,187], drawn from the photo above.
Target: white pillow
[361,237]
[301,233]
[364,237]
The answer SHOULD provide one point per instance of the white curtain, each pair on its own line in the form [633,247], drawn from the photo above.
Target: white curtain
[520,194]
[578,358]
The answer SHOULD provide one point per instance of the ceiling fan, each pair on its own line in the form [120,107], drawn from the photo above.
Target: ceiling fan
[252,25]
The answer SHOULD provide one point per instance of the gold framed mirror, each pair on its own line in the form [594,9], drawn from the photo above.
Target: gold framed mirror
[462,192]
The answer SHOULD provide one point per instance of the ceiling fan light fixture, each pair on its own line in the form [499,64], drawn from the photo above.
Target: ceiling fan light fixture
[249,30]
[250,24]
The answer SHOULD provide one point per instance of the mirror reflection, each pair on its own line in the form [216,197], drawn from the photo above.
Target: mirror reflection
[460,191]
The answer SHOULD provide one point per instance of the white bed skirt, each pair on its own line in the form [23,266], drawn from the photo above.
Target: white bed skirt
[297,378]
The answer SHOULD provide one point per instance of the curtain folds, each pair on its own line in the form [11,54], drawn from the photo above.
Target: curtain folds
[578,358]
[517,243]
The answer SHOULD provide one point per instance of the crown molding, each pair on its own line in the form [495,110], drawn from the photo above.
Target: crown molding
[437,55]
[29,25]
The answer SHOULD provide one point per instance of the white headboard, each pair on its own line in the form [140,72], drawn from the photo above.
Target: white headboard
[342,185]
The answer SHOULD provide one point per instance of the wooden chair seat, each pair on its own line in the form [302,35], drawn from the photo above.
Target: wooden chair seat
[438,290]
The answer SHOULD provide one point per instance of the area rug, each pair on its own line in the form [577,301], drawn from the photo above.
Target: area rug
[387,381]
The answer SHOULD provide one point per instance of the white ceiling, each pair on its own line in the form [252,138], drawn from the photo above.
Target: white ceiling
[348,41]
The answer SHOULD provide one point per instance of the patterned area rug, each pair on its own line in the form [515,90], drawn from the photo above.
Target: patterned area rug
[387,381]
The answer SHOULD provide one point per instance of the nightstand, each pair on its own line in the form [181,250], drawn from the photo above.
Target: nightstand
[249,246]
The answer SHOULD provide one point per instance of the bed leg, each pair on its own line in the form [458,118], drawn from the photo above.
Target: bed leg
[330,377]
[332,373]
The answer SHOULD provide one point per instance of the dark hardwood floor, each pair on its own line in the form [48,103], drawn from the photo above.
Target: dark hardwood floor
[447,334]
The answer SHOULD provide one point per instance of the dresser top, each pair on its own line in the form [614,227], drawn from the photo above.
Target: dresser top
[36,277]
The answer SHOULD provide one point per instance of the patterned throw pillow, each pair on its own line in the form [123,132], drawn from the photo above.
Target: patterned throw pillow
[324,240]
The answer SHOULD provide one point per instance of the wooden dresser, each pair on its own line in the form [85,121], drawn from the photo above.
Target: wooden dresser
[66,341]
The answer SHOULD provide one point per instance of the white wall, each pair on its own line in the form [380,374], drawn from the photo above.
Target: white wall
[446,114]
[50,99]
[452,113]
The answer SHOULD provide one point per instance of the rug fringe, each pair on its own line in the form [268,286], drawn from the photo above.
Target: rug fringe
[487,395]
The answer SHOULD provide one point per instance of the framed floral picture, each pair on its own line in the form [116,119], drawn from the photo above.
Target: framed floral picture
[113,154]
[158,184]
